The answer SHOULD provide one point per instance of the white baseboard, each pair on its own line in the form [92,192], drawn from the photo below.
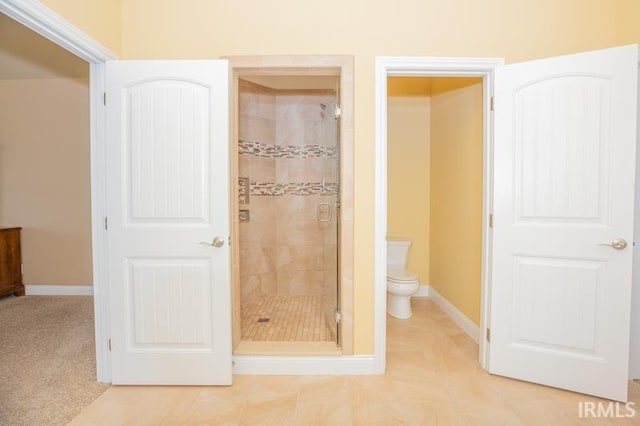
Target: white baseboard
[58,290]
[454,313]
[357,365]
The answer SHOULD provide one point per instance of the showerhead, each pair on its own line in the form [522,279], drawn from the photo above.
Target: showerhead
[323,106]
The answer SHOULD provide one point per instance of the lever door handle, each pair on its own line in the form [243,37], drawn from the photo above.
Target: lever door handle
[618,244]
[217,242]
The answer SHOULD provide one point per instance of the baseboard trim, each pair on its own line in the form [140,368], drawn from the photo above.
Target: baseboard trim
[468,326]
[304,365]
[58,290]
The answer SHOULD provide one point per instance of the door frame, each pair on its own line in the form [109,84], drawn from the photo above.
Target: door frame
[305,65]
[391,66]
[39,18]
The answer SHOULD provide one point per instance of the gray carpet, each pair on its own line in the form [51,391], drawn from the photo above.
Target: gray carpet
[47,359]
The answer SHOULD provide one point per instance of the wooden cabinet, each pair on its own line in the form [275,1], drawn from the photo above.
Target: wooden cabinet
[10,262]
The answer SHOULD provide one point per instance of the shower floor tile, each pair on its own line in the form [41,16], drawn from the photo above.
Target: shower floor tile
[290,318]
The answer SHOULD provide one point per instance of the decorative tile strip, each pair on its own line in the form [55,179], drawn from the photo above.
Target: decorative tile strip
[285,151]
[280,189]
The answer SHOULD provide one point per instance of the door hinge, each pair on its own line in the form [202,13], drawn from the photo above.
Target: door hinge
[491,220]
[489,335]
[106,223]
[104,98]
[229,239]
[492,103]
[109,344]
[338,316]
[338,111]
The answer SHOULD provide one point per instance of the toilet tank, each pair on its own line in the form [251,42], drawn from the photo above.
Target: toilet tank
[397,254]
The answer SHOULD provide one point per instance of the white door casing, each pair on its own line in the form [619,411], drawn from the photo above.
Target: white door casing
[564,184]
[634,343]
[167,130]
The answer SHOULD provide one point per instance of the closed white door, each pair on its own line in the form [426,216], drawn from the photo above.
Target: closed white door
[563,210]
[167,202]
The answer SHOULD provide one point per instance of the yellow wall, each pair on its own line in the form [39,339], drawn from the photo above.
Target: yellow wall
[101,19]
[408,136]
[44,176]
[628,21]
[456,192]
[514,29]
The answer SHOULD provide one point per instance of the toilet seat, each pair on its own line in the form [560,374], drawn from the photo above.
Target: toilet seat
[401,276]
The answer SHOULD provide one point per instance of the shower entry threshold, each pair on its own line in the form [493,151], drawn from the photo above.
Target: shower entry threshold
[287,348]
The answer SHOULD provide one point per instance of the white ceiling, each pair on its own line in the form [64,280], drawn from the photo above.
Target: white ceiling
[27,55]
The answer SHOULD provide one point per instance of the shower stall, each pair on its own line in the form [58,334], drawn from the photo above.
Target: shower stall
[288,211]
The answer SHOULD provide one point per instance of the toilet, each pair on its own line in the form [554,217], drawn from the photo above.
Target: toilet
[401,283]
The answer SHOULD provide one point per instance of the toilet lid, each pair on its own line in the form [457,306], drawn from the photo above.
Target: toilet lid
[401,276]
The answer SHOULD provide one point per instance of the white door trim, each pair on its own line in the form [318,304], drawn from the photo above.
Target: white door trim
[427,67]
[350,365]
[634,342]
[39,18]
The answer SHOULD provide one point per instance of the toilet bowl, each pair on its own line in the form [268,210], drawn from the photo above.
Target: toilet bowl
[401,283]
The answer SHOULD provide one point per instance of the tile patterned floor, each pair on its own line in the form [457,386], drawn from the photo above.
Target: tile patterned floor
[432,378]
[291,318]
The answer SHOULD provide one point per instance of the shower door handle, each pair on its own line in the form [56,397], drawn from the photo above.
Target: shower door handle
[326,217]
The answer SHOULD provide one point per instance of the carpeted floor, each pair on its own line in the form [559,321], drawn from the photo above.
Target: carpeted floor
[47,359]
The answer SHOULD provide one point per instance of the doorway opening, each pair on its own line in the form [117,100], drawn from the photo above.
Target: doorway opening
[292,127]
[457,76]
[434,186]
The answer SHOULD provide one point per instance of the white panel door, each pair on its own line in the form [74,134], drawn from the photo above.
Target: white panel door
[167,191]
[564,157]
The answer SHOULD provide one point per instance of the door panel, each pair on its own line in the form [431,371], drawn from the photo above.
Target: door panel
[168,192]
[169,121]
[563,185]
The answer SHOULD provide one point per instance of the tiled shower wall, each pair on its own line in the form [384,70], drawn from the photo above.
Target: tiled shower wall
[282,247]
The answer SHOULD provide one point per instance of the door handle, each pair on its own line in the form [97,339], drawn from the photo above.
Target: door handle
[217,242]
[618,244]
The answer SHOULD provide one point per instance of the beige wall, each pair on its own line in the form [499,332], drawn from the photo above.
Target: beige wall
[44,176]
[257,248]
[408,168]
[283,245]
[514,29]
[456,192]
[101,19]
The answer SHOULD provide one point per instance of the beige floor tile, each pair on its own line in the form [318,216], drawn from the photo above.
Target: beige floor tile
[535,413]
[433,378]
[518,390]
[218,405]
[138,405]
[269,388]
[322,413]
[280,411]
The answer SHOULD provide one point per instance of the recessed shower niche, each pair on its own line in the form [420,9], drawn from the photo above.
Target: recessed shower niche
[288,215]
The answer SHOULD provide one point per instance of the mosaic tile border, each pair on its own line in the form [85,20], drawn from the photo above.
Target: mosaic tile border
[280,189]
[285,151]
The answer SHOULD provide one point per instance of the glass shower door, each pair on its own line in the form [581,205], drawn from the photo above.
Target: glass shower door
[329,217]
